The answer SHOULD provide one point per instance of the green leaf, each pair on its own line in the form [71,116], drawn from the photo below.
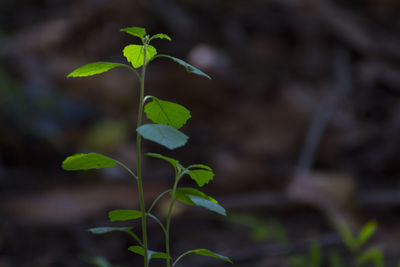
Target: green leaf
[372,255]
[200,166]
[182,194]
[261,229]
[189,68]
[87,162]
[104,230]
[172,161]
[150,253]
[315,255]
[201,177]
[163,134]
[366,232]
[124,215]
[208,253]
[95,68]
[334,259]
[165,112]
[208,204]
[161,36]
[135,54]
[348,238]
[135,31]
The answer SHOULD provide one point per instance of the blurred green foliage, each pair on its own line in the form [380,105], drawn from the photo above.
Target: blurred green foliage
[261,229]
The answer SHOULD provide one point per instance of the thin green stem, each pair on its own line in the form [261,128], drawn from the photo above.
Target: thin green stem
[181,256]
[139,161]
[178,176]
[134,236]
[127,169]
[146,97]
[137,74]
[157,199]
[167,230]
[158,221]
[161,55]
[135,71]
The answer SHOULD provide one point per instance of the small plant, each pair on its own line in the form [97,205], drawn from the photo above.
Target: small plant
[168,118]
[354,244]
[312,259]
[261,229]
[334,259]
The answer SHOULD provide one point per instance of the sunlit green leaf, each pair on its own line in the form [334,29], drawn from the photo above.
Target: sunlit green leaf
[135,31]
[87,162]
[163,134]
[367,231]
[95,68]
[135,54]
[150,253]
[182,194]
[103,230]
[189,68]
[201,177]
[208,204]
[165,112]
[172,161]
[124,215]
[161,36]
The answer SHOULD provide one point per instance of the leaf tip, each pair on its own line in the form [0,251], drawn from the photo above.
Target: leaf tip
[70,75]
[135,31]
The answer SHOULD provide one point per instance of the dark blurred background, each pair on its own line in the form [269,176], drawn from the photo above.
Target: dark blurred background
[300,123]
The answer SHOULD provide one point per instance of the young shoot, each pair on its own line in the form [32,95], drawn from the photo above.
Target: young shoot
[167,118]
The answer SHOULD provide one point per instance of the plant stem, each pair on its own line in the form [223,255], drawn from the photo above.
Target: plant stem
[157,199]
[180,257]
[139,162]
[158,221]
[168,224]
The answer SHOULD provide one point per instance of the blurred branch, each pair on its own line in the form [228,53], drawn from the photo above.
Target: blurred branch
[324,113]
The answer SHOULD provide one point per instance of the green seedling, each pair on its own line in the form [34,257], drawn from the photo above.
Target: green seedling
[261,229]
[372,255]
[167,118]
[334,259]
[355,242]
[312,259]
